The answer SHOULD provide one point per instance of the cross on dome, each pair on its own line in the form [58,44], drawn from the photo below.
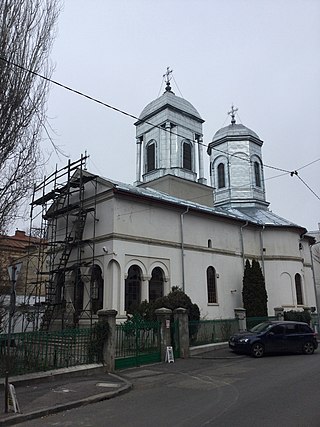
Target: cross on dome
[168,76]
[232,113]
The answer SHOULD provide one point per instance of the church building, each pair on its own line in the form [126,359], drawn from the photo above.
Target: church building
[173,228]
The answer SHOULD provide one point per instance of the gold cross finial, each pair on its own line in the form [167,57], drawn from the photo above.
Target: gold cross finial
[232,113]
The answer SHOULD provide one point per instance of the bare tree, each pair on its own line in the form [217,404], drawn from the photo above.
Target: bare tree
[27,29]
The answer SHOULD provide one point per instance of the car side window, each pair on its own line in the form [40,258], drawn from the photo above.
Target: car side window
[304,329]
[291,329]
[277,330]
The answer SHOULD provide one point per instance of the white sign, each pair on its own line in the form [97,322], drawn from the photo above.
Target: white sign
[13,404]
[169,355]
[14,270]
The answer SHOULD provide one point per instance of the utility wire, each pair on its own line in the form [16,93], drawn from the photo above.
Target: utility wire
[311,163]
[135,117]
[307,186]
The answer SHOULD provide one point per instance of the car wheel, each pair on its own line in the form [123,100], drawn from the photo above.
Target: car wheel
[308,348]
[257,350]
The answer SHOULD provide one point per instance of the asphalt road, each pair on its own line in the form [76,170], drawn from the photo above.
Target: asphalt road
[241,391]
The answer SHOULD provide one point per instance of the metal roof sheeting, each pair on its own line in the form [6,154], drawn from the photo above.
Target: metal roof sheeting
[252,215]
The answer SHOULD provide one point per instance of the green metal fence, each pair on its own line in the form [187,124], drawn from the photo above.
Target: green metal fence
[42,351]
[137,343]
[211,331]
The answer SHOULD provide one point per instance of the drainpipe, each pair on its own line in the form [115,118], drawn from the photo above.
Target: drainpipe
[229,181]
[314,284]
[261,250]
[242,242]
[182,248]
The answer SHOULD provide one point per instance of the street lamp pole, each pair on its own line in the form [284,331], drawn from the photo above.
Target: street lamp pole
[13,271]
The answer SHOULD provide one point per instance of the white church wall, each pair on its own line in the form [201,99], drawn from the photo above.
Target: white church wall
[148,234]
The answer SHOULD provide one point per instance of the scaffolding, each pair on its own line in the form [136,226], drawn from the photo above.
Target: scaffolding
[63,216]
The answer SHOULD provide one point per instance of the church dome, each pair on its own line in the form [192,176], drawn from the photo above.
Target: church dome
[169,100]
[234,130]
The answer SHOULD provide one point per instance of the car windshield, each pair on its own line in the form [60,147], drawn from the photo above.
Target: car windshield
[262,327]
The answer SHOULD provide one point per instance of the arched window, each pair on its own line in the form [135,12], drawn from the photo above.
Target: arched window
[187,158]
[132,287]
[58,296]
[221,176]
[96,283]
[211,285]
[298,283]
[209,243]
[257,175]
[77,296]
[151,157]
[156,284]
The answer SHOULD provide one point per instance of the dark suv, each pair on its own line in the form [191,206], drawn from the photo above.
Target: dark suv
[274,337]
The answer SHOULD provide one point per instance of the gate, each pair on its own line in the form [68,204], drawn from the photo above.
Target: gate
[137,343]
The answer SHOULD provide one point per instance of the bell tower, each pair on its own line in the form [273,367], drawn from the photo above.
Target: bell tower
[169,139]
[236,167]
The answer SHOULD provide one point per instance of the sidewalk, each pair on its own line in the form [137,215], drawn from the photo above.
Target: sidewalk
[42,394]
[45,393]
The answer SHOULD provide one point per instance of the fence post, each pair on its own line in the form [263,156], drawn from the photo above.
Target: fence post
[109,347]
[181,316]
[279,313]
[163,316]
[240,314]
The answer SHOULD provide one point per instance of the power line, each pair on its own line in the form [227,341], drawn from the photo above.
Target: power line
[311,163]
[77,92]
[307,186]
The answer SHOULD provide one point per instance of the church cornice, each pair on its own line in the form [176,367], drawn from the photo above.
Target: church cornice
[232,138]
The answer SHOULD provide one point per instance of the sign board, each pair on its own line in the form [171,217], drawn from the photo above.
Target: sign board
[14,270]
[13,404]
[169,355]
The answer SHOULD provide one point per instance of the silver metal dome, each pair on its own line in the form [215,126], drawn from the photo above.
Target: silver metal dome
[169,99]
[234,130]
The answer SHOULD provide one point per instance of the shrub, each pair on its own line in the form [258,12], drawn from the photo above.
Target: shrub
[298,316]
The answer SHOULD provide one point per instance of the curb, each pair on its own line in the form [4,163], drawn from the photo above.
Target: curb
[194,351]
[15,419]
[73,371]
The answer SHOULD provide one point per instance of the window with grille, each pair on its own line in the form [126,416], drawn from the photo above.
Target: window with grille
[151,157]
[96,288]
[133,287]
[187,158]
[298,283]
[211,285]
[257,174]
[156,284]
[221,176]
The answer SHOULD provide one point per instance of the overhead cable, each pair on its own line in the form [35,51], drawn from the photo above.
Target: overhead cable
[91,98]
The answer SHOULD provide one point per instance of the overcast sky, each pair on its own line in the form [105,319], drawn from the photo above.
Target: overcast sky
[262,56]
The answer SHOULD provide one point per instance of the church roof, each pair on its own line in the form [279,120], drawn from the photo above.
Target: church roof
[234,130]
[252,215]
[167,100]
